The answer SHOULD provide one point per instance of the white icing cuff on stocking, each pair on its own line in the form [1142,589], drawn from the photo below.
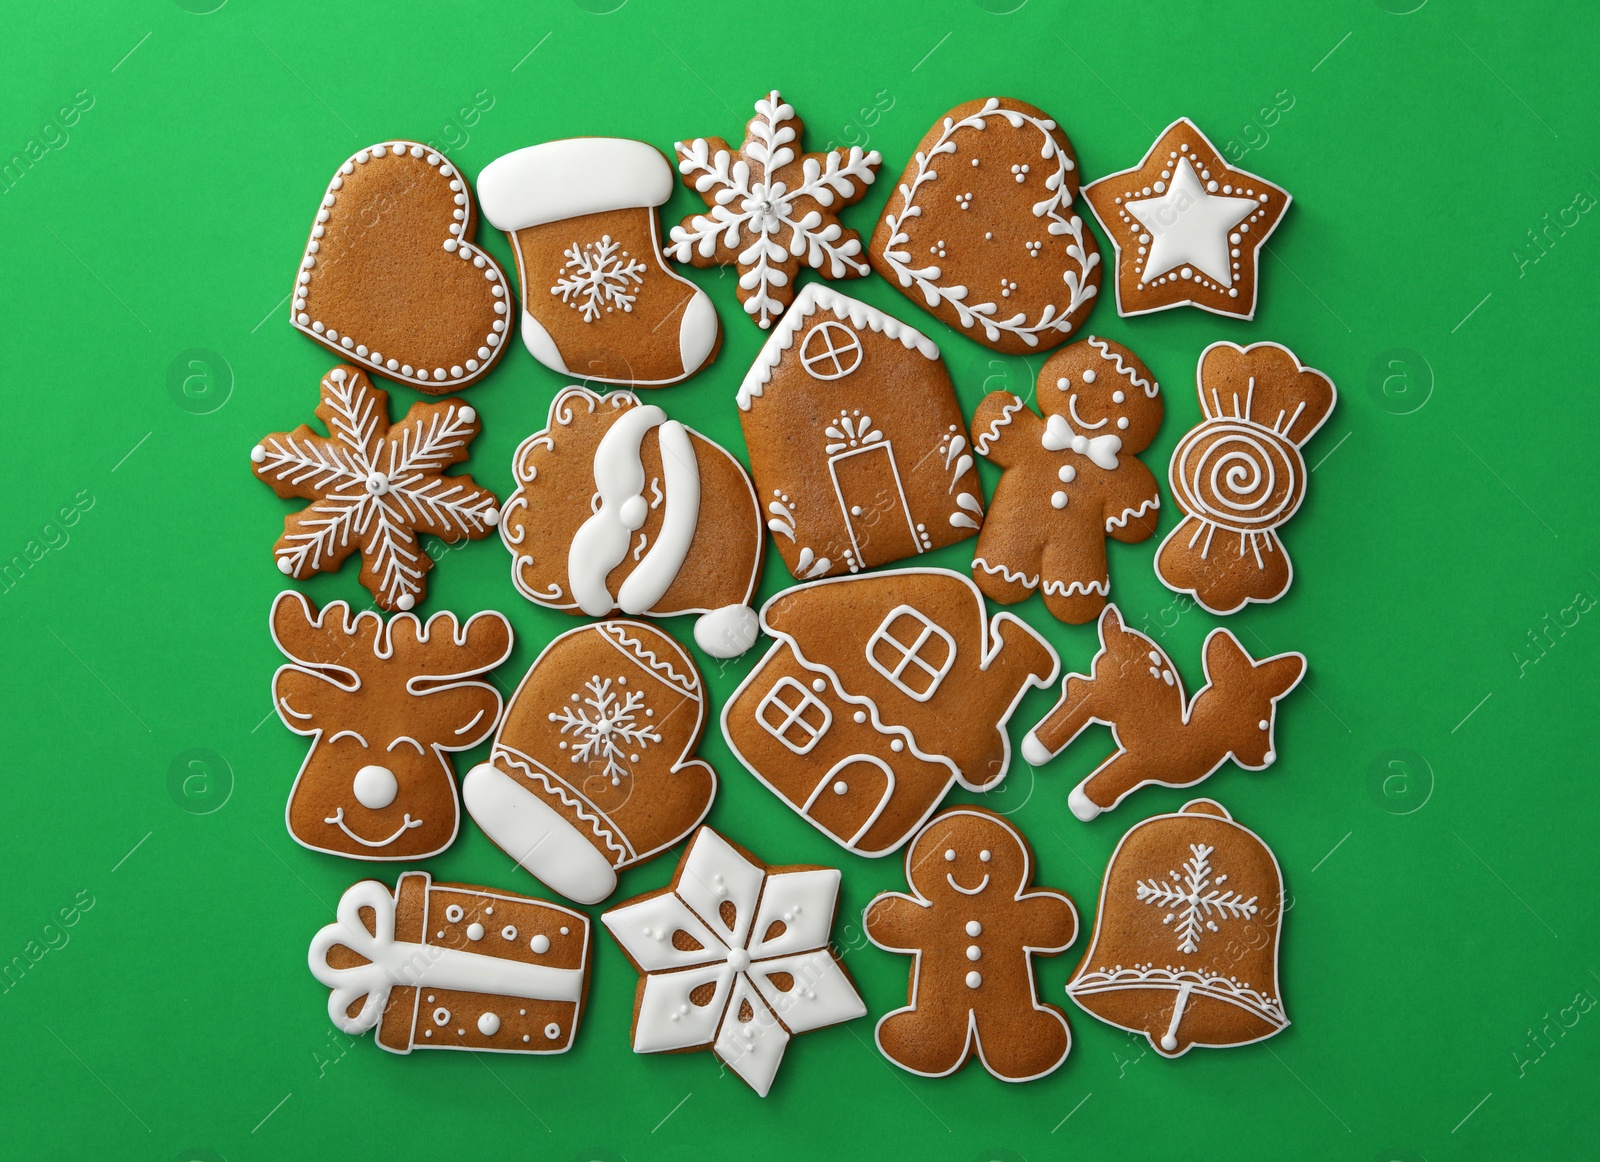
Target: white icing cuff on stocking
[537,837]
[566,179]
[727,632]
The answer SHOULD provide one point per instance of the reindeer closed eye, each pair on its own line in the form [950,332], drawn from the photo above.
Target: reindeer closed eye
[384,705]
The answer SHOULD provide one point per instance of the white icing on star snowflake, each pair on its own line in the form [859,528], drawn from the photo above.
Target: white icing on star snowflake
[606,725]
[598,278]
[1197,903]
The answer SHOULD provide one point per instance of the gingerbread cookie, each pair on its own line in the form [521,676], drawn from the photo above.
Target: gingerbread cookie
[384,704]
[1185,945]
[1188,227]
[591,769]
[1161,735]
[733,956]
[981,232]
[880,693]
[856,440]
[973,928]
[619,508]
[374,487]
[772,208]
[390,277]
[454,966]
[1238,475]
[598,300]
[1071,479]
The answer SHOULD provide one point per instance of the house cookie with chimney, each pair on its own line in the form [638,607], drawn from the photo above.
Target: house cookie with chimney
[592,768]
[879,694]
[618,507]
[454,966]
[598,299]
[384,704]
[857,444]
[1071,478]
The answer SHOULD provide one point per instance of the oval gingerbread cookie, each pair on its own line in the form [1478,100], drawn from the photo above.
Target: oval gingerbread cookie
[981,232]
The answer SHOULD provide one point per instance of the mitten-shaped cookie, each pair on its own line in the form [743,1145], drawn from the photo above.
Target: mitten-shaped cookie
[1071,479]
[974,928]
[598,300]
[591,769]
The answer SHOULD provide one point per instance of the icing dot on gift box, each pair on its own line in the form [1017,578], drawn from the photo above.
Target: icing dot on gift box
[454,913]
[474,931]
[552,1030]
[441,1016]
[540,944]
[489,1024]
[509,932]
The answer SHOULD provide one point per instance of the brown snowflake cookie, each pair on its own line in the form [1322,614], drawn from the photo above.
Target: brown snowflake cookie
[857,443]
[454,966]
[1071,479]
[591,769]
[390,277]
[618,507]
[1162,736]
[384,704]
[1238,475]
[1185,945]
[598,300]
[733,956]
[974,928]
[374,487]
[879,694]
[1188,227]
[981,232]
[772,208]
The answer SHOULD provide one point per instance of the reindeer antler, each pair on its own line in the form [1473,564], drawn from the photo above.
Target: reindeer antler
[444,650]
[327,641]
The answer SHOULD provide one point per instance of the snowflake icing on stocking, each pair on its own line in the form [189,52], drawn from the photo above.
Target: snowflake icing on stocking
[597,278]
[374,487]
[1195,897]
[771,208]
[605,725]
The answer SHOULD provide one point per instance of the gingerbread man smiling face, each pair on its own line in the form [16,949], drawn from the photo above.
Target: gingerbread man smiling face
[973,926]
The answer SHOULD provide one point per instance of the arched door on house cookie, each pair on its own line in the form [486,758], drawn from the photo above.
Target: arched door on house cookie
[849,798]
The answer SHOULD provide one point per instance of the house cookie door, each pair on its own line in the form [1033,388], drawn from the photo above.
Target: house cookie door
[866,481]
[847,801]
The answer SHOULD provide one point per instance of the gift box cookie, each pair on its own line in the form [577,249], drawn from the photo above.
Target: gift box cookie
[454,966]
[857,444]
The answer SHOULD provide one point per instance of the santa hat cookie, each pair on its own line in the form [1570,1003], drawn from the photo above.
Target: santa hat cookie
[591,769]
[618,507]
[597,298]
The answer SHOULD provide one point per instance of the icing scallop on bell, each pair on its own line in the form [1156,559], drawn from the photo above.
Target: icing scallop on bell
[598,300]
[619,508]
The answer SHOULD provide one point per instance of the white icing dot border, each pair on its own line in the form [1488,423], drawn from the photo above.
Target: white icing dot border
[436,380]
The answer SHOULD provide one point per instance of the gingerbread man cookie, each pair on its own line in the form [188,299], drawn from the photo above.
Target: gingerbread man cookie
[973,927]
[1071,479]
[772,208]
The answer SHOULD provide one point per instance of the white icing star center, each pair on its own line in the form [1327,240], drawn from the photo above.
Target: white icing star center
[1188,225]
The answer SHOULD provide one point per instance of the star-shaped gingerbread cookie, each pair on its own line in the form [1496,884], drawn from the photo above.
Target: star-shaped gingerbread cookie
[772,208]
[1187,226]
[374,487]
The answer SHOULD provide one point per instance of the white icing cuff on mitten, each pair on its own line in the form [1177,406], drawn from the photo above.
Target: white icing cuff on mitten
[566,179]
[536,836]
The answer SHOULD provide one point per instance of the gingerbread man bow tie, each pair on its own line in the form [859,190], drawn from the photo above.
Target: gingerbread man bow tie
[1059,437]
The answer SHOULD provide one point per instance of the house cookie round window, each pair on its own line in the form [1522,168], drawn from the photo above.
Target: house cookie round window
[830,350]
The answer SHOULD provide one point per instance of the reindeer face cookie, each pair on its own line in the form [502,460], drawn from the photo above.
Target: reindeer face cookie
[1162,736]
[974,927]
[1072,478]
[618,507]
[591,770]
[384,704]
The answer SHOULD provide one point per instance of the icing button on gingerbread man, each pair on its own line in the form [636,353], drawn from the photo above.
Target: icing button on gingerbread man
[974,927]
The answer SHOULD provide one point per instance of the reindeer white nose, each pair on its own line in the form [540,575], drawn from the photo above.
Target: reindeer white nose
[376,787]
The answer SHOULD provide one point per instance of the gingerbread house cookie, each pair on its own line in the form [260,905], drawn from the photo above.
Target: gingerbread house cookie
[857,444]
[454,966]
[881,693]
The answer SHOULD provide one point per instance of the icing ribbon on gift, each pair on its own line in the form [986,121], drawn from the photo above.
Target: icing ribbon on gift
[401,963]
[1059,436]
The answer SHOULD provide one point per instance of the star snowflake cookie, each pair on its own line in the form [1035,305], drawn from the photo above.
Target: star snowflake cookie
[734,957]
[374,487]
[1187,226]
[772,208]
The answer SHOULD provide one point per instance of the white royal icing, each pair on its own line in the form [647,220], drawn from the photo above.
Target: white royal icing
[563,179]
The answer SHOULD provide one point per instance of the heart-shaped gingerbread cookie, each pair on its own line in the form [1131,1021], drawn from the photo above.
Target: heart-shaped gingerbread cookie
[390,278]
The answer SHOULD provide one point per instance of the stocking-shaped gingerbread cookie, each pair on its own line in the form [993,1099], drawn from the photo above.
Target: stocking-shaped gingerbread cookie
[974,927]
[1071,478]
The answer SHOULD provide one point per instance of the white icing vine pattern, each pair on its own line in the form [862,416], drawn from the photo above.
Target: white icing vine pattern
[1192,903]
[597,278]
[986,314]
[605,724]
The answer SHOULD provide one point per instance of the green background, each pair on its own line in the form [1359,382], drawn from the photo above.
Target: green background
[1433,806]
